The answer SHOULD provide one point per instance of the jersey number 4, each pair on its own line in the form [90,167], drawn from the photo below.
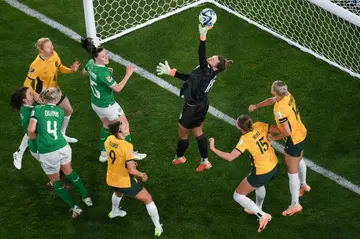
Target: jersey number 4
[52,130]
[95,92]
[263,146]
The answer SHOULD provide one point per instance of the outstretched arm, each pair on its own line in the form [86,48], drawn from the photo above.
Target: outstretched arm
[267,102]
[165,69]
[224,155]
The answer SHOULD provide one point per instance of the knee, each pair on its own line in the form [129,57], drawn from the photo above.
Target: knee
[69,111]
[238,197]
[147,199]
[200,137]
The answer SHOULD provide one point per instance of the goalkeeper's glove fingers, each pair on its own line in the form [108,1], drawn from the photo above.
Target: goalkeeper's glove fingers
[164,69]
[203,31]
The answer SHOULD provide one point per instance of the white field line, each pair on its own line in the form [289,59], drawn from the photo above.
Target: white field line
[160,82]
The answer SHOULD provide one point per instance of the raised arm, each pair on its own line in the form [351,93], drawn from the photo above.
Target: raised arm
[267,102]
[66,70]
[202,46]
[120,86]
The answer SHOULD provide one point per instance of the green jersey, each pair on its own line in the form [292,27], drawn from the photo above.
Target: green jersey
[49,120]
[100,82]
[25,114]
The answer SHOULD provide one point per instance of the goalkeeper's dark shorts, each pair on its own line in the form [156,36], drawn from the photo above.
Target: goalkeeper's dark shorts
[193,115]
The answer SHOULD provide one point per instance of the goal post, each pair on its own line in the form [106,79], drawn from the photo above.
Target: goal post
[327,29]
[109,19]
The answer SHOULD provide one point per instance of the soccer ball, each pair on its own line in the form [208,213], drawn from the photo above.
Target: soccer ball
[207,17]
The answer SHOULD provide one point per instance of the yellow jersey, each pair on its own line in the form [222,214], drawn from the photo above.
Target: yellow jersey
[285,110]
[43,74]
[118,152]
[256,141]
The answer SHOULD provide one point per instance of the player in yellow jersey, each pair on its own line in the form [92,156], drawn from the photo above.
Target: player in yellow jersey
[294,133]
[43,74]
[264,163]
[122,172]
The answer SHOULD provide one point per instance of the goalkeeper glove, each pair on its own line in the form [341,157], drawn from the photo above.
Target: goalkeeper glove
[203,31]
[164,69]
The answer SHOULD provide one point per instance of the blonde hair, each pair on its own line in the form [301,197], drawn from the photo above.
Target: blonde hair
[40,43]
[280,88]
[50,95]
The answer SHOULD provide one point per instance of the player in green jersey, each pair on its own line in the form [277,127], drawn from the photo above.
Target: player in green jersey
[23,100]
[54,151]
[102,93]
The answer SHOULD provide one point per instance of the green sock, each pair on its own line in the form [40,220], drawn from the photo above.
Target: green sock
[63,193]
[104,134]
[76,181]
[128,138]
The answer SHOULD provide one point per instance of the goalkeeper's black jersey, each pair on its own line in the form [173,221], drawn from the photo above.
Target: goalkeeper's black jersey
[199,82]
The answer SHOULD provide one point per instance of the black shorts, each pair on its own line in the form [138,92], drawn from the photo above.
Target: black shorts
[193,115]
[292,149]
[260,180]
[133,190]
[63,96]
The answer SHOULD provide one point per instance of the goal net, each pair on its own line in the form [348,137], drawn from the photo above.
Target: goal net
[327,29]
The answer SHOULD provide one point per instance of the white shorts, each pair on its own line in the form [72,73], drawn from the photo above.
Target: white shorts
[50,162]
[110,113]
[35,155]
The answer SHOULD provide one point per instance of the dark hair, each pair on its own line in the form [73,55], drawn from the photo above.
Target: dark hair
[114,128]
[223,64]
[17,98]
[245,122]
[88,45]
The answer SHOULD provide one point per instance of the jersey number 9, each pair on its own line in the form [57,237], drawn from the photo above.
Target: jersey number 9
[112,156]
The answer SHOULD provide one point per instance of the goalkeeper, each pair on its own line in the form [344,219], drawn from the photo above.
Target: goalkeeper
[196,87]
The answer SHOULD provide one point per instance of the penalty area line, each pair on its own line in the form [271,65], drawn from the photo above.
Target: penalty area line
[165,85]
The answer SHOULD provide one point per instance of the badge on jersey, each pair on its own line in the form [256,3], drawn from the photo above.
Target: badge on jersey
[279,115]
[32,70]
[109,78]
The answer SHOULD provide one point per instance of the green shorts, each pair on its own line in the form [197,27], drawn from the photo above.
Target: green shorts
[294,150]
[260,180]
[133,190]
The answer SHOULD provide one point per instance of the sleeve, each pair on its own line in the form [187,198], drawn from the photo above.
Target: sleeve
[90,62]
[63,69]
[202,55]
[107,79]
[33,114]
[241,145]
[30,78]
[281,115]
[181,76]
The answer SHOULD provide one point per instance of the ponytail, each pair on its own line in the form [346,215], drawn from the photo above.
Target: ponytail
[223,64]
[115,128]
[17,98]
[245,123]
[90,48]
